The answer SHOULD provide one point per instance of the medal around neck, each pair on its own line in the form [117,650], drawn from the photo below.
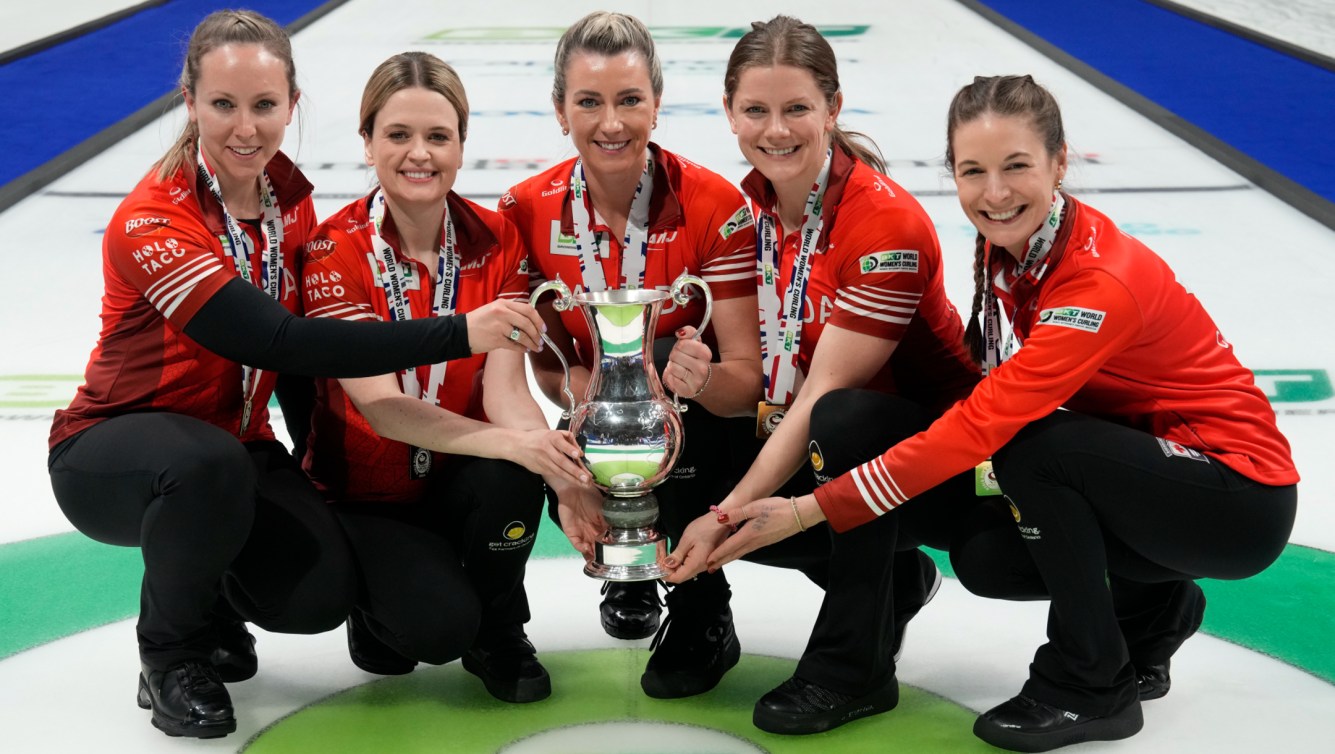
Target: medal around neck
[630,431]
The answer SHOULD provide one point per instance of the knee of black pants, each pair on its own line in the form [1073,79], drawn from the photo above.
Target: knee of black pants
[1038,443]
[439,632]
[850,426]
[989,557]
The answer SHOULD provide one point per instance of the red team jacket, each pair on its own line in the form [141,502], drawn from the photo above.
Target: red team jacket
[850,286]
[698,222]
[345,458]
[161,260]
[1109,331]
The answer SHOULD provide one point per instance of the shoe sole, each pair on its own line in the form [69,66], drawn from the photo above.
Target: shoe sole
[664,687]
[521,692]
[177,729]
[874,703]
[1124,725]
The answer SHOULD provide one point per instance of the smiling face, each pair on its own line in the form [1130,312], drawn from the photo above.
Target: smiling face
[242,105]
[783,124]
[414,147]
[610,110]
[1005,178]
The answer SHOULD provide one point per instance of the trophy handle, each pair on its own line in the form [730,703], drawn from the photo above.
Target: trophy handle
[680,295]
[561,303]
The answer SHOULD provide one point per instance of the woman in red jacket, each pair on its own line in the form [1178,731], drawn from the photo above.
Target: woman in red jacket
[434,472]
[1165,467]
[167,445]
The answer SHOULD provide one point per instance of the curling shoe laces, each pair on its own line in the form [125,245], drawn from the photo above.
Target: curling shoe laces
[188,699]
[694,647]
[1025,724]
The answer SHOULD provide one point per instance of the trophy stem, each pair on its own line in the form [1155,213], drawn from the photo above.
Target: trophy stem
[632,547]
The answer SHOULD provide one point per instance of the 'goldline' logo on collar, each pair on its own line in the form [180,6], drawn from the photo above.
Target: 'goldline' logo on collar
[1074,317]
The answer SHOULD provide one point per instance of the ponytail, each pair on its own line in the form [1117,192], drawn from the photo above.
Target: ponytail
[860,146]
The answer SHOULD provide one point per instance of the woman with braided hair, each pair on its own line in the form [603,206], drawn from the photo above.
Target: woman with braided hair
[1134,451]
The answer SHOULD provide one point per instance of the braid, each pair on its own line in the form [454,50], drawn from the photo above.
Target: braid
[973,332]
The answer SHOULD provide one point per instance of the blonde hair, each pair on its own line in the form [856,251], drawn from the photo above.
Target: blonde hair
[219,29]
[406,71]
[605,33]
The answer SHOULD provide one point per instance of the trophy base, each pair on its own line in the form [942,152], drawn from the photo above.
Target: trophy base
[628,555]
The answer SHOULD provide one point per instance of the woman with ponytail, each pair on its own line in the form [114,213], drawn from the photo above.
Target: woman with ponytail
[1134,453]
[167,446]
[861,349]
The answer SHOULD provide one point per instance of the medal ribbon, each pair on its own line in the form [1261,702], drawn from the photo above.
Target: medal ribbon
[781,322]
[1034,266]
[385,266]
[240,249]
[634,248]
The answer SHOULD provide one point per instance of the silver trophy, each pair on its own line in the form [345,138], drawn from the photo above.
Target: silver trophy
[629,430]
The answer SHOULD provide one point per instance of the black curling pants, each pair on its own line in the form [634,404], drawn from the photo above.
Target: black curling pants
[871,572]
[436,571]
[1113,525]
[220,524]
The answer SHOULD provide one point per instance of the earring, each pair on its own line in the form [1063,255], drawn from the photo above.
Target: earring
[654,125]
[565,131]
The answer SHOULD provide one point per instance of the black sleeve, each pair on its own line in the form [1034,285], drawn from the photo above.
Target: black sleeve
[241,323]
[296,396]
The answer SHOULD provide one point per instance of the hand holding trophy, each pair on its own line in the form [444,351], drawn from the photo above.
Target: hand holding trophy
[630,432]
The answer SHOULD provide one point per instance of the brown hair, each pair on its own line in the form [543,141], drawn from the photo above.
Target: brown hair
[219,29]
[605,33]
[406,71]
[1018,96]
[784,40]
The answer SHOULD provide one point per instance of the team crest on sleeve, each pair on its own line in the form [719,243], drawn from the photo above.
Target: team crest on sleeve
[900,260]
[739,220]
[563,244]
[1074,317]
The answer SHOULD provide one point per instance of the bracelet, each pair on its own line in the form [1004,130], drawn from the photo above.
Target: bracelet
[723,517]
[709,372]
[800,525]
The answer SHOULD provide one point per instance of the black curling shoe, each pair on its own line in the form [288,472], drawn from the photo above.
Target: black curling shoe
[1153,681]
[798,707]
[1025,724]
[370,653]
[234,657]
[630,610]
[695,645]
[508,665]
[188,700]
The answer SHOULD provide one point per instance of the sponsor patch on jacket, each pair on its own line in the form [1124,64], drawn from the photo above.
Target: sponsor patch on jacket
[1074,317]
[1172,448]
[563,243]
[899,260]
[739,220]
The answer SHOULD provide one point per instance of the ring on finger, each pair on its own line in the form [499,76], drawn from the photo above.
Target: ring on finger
[514,334]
